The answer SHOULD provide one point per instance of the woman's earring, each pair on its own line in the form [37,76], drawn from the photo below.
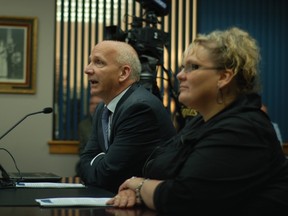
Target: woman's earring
[219,98]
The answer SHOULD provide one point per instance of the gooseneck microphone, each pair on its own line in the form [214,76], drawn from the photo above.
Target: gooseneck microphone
[46,110]
[6,181]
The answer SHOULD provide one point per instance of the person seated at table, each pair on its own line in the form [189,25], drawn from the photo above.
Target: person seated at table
[85,127]
[227,160]
[275,125]
[137,124]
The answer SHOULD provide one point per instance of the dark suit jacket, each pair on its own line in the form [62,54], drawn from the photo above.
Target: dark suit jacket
[234,165]
[140,123]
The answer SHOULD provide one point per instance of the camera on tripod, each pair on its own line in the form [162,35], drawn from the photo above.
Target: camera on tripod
[147,40]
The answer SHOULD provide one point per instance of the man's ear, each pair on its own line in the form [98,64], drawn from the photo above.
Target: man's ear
[124,73]
[226,77]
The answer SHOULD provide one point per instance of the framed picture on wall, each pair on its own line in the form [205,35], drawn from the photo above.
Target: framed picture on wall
[18,46]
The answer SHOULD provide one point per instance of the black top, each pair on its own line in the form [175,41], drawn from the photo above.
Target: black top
[140,123]
[233,165]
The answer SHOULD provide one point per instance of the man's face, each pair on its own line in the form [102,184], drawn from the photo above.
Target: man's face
[103,72]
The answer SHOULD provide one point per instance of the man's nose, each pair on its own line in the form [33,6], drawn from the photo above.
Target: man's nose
[88,70]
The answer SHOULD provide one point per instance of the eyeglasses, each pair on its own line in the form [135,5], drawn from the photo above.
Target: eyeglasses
[192,67]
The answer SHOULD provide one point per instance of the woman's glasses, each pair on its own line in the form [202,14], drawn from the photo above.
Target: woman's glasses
[192,67]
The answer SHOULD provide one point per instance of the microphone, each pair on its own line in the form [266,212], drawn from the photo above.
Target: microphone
[6,181]
[46,110]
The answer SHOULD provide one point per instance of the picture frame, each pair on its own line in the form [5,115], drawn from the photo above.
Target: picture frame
[18,51]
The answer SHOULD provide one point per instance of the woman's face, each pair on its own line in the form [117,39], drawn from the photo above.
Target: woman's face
[198,80]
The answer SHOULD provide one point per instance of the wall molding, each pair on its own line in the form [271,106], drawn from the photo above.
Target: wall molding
[63,147]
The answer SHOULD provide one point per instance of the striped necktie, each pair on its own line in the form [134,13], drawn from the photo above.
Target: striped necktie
[105,122]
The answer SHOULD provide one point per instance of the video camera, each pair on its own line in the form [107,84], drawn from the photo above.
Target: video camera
[147,40]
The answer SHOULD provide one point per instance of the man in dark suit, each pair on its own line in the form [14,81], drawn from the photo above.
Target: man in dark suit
[138,121]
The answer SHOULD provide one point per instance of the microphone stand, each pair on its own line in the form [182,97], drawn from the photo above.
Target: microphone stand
[6,181]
